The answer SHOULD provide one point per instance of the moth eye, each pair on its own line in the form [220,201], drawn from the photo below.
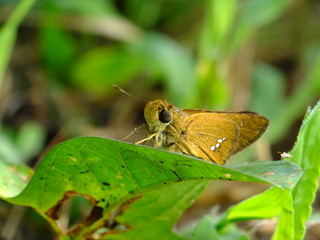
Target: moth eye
[165,116]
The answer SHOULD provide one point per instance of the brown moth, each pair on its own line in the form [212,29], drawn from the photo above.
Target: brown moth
[209,135]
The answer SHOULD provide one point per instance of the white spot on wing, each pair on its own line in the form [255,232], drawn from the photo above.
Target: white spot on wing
[218,144]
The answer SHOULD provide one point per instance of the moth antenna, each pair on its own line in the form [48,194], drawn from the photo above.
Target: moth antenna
[128,94]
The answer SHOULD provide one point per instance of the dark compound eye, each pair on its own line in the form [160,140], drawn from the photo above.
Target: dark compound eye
[165,116]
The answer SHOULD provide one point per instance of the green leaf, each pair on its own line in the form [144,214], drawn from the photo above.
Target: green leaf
[158,210]
[216,28]
[206,229]
[30,139]
[268,91]
[120,178]
[8,149]
[98,69]
[144,13]
[212,89]
[8,34]
[175,64]
[264,205]
[285,227]
[18,146]
[306,154]
[307,91]
[222,14]
[53,39]
[13,178]
[269,204]
[80,7]
[7,40]
[254,15]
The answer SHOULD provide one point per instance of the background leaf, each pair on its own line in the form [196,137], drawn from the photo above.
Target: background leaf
[8,34]
[249,21]
[13,179]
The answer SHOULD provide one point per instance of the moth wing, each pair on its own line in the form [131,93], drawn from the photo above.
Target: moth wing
[210,137]
[250,124]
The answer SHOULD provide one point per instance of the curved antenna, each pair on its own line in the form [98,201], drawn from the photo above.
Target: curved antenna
[126,93]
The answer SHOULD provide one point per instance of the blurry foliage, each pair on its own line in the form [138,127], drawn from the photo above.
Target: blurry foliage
[59,60]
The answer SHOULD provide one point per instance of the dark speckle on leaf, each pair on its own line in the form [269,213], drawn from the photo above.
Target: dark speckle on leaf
[176,174]
[84,172]
[188,165]
[106,184]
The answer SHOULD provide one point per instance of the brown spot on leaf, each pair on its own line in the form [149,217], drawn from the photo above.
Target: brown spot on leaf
[267,173]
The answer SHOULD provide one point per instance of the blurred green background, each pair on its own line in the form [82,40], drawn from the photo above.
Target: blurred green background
[59,60]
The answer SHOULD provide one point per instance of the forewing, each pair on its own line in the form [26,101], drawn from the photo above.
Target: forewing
[208,136]
[251,126]
[215,136]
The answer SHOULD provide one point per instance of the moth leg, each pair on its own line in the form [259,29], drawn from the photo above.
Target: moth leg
[172,147]
[135,130]
[146,139]
[170,144]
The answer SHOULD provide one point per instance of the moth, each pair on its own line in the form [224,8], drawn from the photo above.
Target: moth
[210,135]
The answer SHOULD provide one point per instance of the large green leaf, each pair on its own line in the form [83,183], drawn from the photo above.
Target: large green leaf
[138,189]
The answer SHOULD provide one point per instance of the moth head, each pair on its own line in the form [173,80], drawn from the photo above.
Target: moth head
[158,114]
